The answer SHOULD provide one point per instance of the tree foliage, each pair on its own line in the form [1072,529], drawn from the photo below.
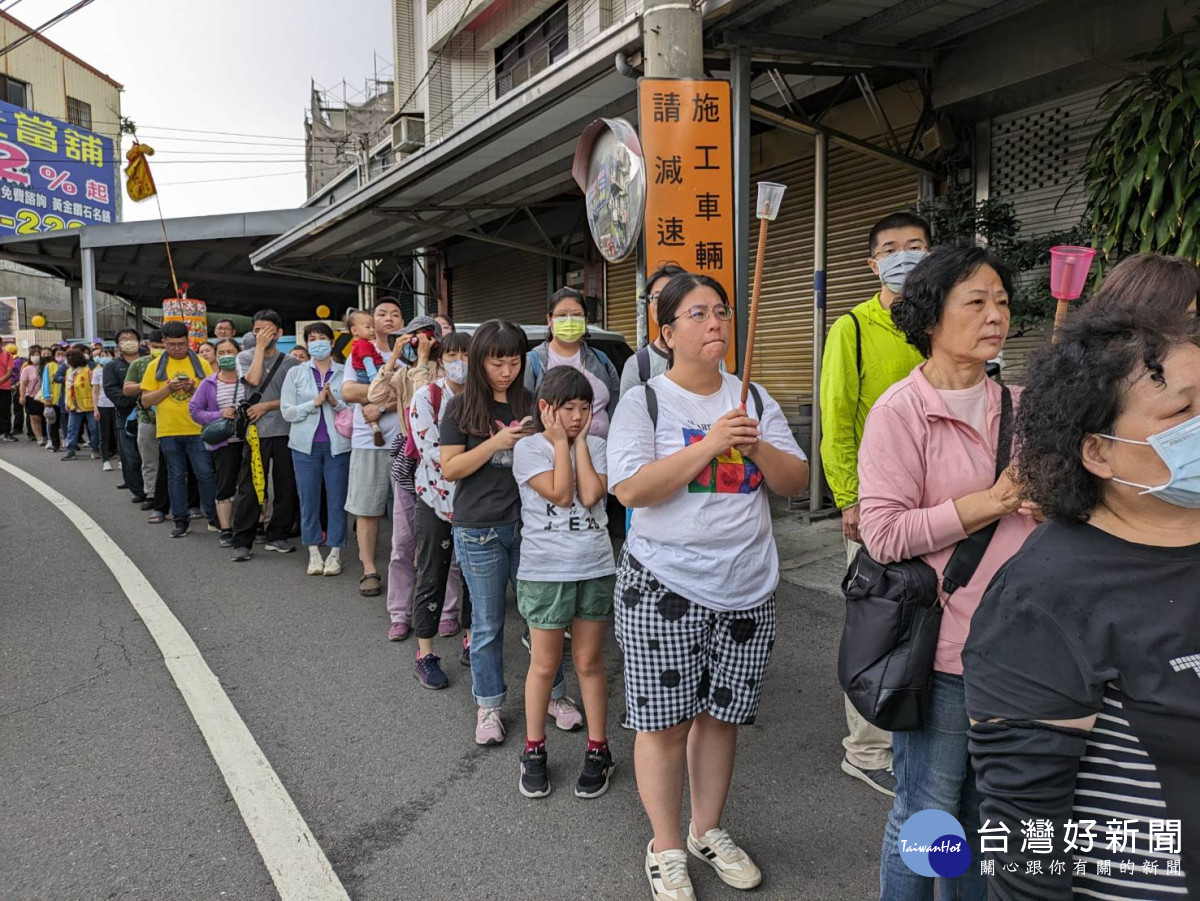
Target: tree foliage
[1142,173]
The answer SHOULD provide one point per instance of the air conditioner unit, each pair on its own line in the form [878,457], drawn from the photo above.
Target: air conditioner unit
[408,134]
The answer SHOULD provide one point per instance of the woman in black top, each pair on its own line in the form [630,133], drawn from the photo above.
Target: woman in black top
[1083,664]
[478,430]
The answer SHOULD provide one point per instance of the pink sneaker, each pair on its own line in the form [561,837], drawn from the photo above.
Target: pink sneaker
[489,728]
[399,631]
[565,714]
[448,628]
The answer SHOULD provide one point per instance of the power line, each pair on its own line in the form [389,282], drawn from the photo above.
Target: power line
[50,23]
[208,181]
[203,131]
[157,138]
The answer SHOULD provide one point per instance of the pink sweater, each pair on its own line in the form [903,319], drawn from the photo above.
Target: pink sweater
[916,459]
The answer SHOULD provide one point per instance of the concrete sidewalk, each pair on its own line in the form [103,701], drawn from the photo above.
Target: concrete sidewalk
[811,554]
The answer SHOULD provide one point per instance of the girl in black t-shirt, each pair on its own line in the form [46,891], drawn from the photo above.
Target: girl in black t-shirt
[479,429]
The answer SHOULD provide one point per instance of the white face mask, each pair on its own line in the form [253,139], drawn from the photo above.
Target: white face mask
[1179,448]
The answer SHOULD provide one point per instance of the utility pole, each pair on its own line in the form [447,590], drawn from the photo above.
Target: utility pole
[672,47]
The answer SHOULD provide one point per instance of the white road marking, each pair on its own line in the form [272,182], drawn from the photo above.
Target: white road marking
[297,865]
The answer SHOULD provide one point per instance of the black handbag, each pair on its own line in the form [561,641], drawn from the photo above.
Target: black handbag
[218,432]
[894,615]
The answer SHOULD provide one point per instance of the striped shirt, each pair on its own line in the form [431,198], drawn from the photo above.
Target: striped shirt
[1117,786]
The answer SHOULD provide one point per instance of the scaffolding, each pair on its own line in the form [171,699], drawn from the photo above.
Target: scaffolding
[343,123]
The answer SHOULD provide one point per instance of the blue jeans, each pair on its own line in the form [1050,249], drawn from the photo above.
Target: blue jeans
[180,450]
[489,559]
[75,423]
[933,771]
[312,470]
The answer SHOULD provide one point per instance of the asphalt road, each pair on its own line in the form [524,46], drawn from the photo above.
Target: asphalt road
[110,791]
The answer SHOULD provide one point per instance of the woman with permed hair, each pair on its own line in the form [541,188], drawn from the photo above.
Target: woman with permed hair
[927,480]
[1081,667]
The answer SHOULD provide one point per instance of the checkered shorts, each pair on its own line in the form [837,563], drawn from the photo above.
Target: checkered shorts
[682,659]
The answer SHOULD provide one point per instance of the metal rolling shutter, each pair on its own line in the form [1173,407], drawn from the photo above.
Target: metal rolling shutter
[509,285]
[1035,157]
[620,298]
[862,190]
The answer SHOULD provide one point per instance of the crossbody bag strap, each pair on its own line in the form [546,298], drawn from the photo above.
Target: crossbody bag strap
[969,552]
[257,395]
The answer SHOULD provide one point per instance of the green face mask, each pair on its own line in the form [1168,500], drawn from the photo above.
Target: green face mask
[569,329]
[227,363]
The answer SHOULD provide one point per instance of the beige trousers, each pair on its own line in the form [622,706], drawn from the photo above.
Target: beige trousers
[867,747]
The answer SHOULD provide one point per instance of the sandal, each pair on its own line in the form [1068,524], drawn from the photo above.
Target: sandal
[373,591]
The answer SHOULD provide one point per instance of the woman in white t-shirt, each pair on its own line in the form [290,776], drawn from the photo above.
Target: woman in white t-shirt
[695,595]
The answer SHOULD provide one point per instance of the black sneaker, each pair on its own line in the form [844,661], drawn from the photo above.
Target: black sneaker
[525,639]
[464,656]
[69,455]
[181,529]
[883,781]
[534,781]
[280,547]
[147,504]
[226,539]
[593,779]
[241,554]
[429,672]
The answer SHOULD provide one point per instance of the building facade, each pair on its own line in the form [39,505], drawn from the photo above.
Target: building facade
[911,99]
[48,80]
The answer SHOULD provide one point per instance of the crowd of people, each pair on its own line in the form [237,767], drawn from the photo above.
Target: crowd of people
[1061,683]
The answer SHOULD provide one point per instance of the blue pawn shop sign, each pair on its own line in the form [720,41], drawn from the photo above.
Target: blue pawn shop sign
[53,174]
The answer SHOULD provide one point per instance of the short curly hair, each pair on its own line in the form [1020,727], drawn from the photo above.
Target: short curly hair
[919,309]
[1077,388]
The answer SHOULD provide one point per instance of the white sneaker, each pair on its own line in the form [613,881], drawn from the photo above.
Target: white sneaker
[333,565]
[668,874]
[107,467]
[733,865]
[316,566]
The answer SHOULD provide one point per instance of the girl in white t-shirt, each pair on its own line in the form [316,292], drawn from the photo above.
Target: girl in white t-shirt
[566,574]
[695,592]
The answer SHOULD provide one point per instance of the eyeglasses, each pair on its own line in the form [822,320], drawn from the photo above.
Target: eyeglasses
[723,312]
[915,245]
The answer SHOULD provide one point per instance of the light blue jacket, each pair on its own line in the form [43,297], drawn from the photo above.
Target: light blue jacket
[296,405]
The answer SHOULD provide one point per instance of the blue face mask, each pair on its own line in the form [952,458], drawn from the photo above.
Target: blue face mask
[894,269]
[1179,448]
[320,350]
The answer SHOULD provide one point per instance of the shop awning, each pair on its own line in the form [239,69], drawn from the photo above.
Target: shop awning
[512,158]
[211,253]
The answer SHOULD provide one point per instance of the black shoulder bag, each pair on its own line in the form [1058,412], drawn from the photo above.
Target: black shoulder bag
[242,416]
[894,615]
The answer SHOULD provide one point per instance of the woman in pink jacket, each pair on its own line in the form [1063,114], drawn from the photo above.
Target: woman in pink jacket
[927,480]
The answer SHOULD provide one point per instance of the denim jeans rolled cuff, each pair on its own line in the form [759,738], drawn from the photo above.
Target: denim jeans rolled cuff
[490,558]
[322,467]
[933,772]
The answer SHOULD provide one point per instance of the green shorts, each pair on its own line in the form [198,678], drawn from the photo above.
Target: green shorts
[552,605]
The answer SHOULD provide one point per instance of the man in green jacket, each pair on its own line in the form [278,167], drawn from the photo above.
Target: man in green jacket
[865,354]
